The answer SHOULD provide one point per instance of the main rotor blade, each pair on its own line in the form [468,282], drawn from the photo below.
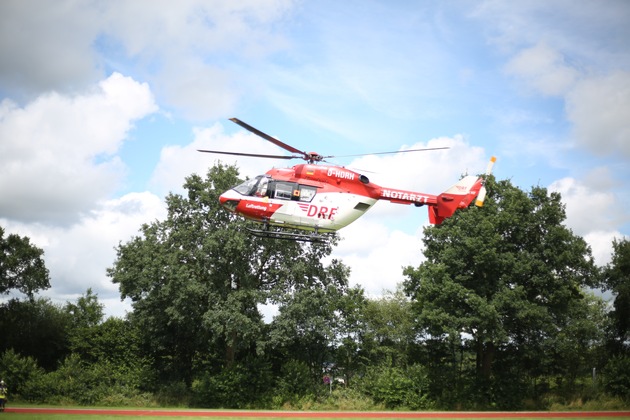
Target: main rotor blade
[390,153]
[250,154]
[268,137]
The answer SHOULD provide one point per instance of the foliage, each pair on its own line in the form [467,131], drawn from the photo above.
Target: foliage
[308,321]
[294,383]
[576,347]
[115,342]
[191,281]
[18,370]
[617,376]
[245,384]
[616,277]
[388,334]
[503,279]
[76,382]
[496,318]
[397,388]
[339,399]
[22,266]
[87,312]
[196,281]
[36,328]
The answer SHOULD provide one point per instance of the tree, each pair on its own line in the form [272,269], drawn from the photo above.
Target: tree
[196,279]
[36,328]
[18,370]
[616,277]
[114,341]
[87,312]
[184,276]
[308,325]
[388,335]
[502,278]
[21,266]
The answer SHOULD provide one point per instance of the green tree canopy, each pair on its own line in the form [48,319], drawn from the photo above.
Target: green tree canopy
[21,266]
[309,320]
[504,277]
[388,334]
[87,311]
[616,277]
[196,279]
[36,328]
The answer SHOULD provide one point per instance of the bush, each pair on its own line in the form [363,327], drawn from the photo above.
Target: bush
[17,371]
[294,383]
[347,399]
[617,377]
[77,382]
[397,388]
[174,394]
[242,385]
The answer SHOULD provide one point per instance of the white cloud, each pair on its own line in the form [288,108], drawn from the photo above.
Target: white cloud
[544,69]
[593,210]
[184,48]
[599,108]
[377,255]
[601,245]
[77,257]
[201,56]
[178,162]
[559,61]
[57,153]
[198,90]
[47,46]
[162,28]
[587,209]
[595,32]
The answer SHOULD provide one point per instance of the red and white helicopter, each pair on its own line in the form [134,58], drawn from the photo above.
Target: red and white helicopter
[323,198]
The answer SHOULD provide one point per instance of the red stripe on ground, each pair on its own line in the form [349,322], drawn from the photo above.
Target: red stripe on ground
[323,414]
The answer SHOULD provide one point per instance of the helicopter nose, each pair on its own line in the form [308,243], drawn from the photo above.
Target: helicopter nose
[230,200]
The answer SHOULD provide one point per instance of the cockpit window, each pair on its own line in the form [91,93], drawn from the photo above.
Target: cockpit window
[307,193]
[285,190]
[262,187]
[251,186]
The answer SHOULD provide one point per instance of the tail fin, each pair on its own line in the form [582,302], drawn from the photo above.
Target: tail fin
[482,192]
[459,196]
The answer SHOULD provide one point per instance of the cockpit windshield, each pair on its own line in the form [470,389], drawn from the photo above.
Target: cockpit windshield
[254,186]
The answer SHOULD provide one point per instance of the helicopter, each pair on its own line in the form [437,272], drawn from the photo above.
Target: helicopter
[319,199]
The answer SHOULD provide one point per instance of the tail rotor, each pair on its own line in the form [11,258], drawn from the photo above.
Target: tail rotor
[481,197]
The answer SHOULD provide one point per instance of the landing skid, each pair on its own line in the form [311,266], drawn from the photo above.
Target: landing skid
[278,234]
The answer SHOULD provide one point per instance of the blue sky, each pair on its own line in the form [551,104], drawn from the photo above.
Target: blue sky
[104,104]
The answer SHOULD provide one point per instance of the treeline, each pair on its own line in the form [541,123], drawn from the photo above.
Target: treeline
[499,316]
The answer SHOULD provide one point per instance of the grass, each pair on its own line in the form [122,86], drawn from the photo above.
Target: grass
[269,415]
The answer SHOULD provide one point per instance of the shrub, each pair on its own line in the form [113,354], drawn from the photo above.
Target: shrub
[294,383]
[17,371]
[397,388]
[78,382]
[617,376]
[242,385]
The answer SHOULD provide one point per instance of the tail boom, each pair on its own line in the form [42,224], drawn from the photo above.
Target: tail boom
[406,197]
[443,206]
